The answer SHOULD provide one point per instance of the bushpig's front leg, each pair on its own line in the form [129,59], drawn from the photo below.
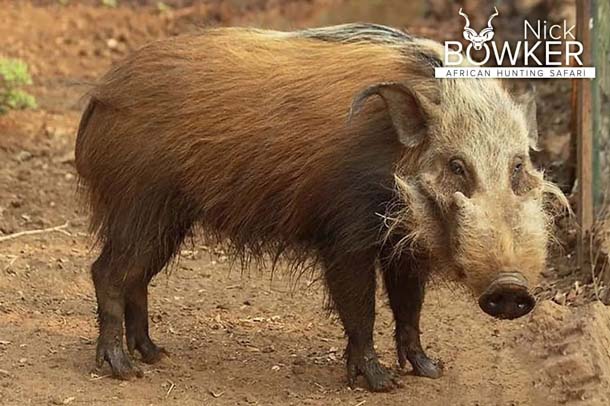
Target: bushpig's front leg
[405,281]
[351,286]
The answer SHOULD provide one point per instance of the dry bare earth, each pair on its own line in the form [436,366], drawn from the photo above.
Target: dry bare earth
[234,338]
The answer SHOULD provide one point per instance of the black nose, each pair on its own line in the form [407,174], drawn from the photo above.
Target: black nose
[507,302]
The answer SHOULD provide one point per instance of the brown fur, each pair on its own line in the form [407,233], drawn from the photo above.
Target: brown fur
[255,147]
[335,145]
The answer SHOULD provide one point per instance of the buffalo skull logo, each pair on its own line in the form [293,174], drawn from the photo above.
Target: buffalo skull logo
[478,39]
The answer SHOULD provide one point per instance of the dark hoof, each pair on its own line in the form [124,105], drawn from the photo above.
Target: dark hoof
[121,365]
[426,366]
[152,356]
[378,378]
[150,352]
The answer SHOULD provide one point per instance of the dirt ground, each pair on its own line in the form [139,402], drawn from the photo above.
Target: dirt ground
[234,338]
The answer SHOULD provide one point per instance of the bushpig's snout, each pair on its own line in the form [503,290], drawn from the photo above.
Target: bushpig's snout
[507,297]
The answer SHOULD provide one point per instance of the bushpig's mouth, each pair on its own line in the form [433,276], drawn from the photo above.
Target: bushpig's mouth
[507,297]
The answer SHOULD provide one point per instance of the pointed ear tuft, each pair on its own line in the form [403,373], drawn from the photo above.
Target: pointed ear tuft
[406,109]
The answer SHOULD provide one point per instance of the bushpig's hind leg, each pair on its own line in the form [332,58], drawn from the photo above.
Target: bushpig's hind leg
[108,278]
[351,285]
[405,284]
[136,295]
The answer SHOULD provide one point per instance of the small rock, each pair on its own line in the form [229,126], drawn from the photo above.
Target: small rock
[24,156]
[250,399]
[560,298]
[16,203]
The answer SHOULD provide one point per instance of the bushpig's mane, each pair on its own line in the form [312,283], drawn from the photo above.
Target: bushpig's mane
[357,33]
[415,49]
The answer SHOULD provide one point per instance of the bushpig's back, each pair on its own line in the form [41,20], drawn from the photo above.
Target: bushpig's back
[251,128]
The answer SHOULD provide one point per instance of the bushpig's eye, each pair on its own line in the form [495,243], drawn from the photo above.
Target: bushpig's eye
[457,167]
[518,167]
[520,181]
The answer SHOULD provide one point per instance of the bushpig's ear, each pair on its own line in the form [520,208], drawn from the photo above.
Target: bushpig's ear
[526,99]
[406,109]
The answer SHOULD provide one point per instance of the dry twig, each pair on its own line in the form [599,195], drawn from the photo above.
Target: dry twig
[171,388]
[38,231]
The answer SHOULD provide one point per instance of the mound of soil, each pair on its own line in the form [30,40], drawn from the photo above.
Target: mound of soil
[568,352]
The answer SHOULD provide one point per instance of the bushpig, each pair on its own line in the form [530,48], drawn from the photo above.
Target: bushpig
[332,146]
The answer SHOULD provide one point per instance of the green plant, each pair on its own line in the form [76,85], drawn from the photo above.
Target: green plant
[110,3]
[162,7]
[13,75]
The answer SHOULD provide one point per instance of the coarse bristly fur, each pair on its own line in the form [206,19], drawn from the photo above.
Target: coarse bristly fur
[333,146]
[244,133]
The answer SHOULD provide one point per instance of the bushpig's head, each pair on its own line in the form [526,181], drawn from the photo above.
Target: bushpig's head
[469,197]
